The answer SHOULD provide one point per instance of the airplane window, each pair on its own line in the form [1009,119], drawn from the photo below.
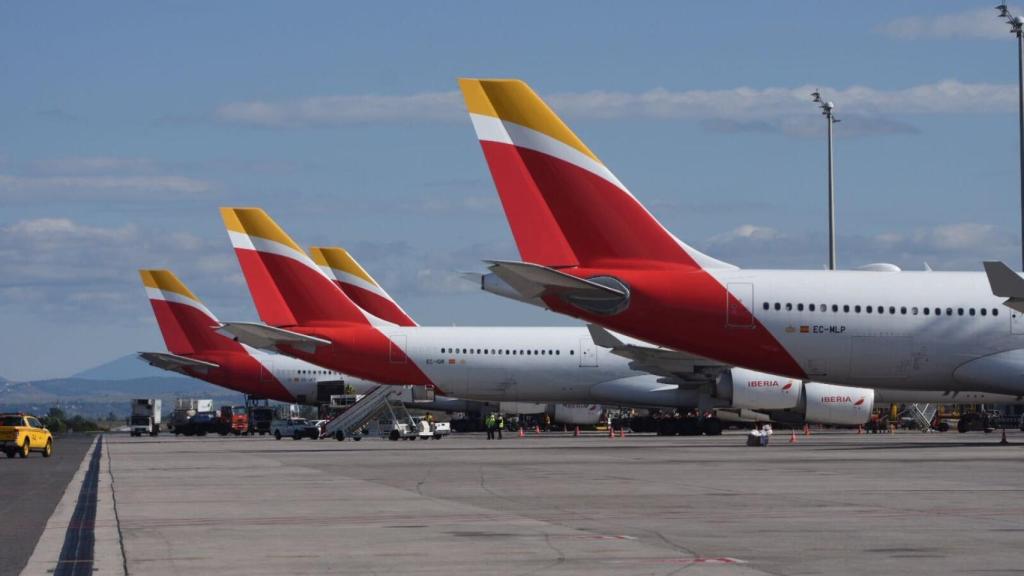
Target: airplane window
[765,305]
[984,311]
[824,308]
[995,311]
[846,307]
[558,352]
[903,309]
[789,306]
[810,307]
[835,308]
[914,310]
[927,311]
[949,311]
[868,309]
[892,309]
[938,311]
[857,309]
[464,351]
[442,350]
[528,353]
[572,352]
[959,311]
[800,307]
[778,306]
[971,311]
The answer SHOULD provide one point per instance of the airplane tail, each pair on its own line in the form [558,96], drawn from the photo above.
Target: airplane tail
[565,207]
[186,324]
[358,285]
[287,287]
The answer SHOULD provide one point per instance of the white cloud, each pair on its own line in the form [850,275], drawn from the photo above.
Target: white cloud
[980,23]
[93,177]
[774,109]
[958,246]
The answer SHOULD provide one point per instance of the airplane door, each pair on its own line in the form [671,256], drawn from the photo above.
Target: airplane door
[397,350]
[588,353]
[1016,322]
[739,301]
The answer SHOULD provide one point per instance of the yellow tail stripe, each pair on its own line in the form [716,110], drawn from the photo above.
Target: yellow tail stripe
[165,280]
[340,259]
[515,101]
[256,222]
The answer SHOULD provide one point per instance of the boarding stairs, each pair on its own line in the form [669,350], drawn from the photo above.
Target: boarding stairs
[380,399]
[923,415]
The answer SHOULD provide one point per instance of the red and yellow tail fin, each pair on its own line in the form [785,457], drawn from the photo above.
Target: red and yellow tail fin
[186,324]
[287,287]
[565,207]
[357,283]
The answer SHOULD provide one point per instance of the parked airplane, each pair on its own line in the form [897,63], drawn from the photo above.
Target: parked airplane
[195,349]
[317,322]
[592,251]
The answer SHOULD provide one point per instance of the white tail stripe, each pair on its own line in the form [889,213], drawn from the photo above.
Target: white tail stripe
[243,241]
[169,296]
[493,129]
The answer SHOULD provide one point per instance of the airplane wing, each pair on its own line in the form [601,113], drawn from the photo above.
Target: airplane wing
[533,281]
[268,337]
[175,363]
[1007,284]
[673,365]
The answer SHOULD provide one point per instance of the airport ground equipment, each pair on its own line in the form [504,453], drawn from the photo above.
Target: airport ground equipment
[145,418]
[377,402]
[295,428]
[260,414]
[923,415]
[199,424]
[184,410]
[232,420]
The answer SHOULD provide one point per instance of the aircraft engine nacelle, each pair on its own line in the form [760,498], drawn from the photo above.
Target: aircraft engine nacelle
[758,391]
[577,414]
[841,405]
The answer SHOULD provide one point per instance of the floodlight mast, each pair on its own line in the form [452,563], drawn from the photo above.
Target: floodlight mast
[1016,25]
[827,108]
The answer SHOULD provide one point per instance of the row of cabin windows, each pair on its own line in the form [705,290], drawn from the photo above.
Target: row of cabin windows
[499,352]
[324,372]
[913,310]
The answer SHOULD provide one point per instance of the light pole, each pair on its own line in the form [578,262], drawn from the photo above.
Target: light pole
[826,111]
[1016,24]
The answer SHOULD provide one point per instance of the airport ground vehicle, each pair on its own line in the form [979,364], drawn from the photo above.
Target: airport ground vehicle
[199,424]
[21,434]
[232,420]
[184,410]
[295,428]
[145,418]
[260,419]
[592,251]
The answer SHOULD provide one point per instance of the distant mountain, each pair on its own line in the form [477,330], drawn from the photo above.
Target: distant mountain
[97,398]
[128,367]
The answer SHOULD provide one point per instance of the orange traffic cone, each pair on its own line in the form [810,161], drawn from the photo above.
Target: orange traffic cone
[807,430]
[537,429]
[521,433]
[622,432]
[1004,440]
[792,436]
[611,432]
[576,434]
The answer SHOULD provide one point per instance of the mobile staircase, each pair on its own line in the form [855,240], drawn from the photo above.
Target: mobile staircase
[379,400]
[923,415]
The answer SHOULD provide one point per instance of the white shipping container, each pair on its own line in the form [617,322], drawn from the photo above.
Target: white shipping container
[205,405]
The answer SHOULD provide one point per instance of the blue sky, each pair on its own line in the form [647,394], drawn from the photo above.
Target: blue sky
[124,126]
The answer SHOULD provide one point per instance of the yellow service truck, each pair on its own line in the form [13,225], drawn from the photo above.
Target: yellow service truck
[21,434]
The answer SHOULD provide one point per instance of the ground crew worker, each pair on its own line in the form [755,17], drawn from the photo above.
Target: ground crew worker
[489,425]
[500,424]
[429,419]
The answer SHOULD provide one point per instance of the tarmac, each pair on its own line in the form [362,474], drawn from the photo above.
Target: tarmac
[29,491]
[833,503]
